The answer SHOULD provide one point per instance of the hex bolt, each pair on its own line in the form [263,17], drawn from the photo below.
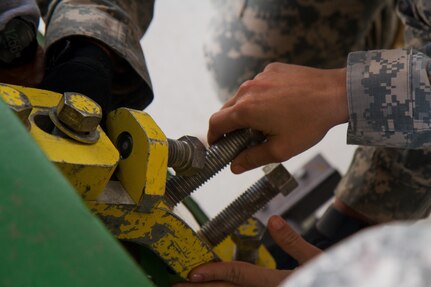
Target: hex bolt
[217,157]
[248,238]
[276,180]
[17,102]
[186,155]
[78,117]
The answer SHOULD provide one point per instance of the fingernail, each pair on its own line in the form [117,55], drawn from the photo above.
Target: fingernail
[277,223]
[237,169]
[196,277]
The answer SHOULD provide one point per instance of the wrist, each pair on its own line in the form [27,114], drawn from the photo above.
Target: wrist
[338,94]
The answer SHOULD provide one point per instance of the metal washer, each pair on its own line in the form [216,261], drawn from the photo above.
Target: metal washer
[88,137]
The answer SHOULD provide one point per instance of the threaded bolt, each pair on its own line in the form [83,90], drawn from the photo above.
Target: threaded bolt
[248,238]
[277,179]
[217,157]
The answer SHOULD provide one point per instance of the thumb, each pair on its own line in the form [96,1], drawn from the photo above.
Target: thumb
[290,241]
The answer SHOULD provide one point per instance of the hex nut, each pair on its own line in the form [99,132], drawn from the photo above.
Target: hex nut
[79,112]
[279,178]
[17,101]
[197,160]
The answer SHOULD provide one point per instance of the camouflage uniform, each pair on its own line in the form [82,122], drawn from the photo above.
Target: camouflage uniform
[246,35]
[383,184]
[394,255]
[119,24]
[389,105]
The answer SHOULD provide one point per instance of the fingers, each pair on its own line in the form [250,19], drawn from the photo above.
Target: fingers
[290,241]
[235,112]
[223,122]
[239,273]
[270,151]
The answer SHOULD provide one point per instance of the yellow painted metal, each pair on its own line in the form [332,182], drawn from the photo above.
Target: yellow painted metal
[88,168]
[12,96]
[17,101]
[160,230]
[84,104]
[39,98]
[226,252]
[143,172]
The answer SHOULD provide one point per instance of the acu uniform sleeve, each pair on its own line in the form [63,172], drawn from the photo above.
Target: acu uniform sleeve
[120,25]
[389,91]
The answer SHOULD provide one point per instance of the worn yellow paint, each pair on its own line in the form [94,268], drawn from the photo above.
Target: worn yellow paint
[248,228]
[39,98]
[226,252]
[87,167]
[144,171]
[161,231]
[12,96]
[84,104]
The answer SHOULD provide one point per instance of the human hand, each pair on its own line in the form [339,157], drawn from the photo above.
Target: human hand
[294,106]
[29,74]
[245,274]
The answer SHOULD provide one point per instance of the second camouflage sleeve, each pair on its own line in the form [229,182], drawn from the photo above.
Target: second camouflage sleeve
[119,24]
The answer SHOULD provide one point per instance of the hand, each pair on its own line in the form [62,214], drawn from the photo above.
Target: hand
[294,106]
[29,74]
[245,274]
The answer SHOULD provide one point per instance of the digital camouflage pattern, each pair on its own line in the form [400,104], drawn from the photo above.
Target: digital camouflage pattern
[388,184]
[119,24]
[389,97]
[394,255]
[246,35]
[383,184]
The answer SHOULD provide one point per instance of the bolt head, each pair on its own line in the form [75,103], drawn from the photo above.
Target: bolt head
[249,235]
[79,112]
[17,101]
[278,176]
[198,156]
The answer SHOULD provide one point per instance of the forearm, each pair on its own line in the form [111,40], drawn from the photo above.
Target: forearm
[115,25]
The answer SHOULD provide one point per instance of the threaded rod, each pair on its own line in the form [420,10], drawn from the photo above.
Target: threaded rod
[248,203]
[217,157]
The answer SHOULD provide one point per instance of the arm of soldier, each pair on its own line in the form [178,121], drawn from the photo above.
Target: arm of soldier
[389,91]
[389,98]
[245,274]
[114,26]
[294,106]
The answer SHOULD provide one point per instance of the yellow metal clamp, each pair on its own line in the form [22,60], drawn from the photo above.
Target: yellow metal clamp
[132,205]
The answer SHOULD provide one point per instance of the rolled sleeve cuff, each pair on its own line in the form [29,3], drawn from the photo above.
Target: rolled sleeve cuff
[389,98]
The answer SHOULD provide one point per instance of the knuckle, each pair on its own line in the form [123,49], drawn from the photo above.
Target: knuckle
[290,238]
[246,87]
[272,67]
[242,110]
[213,120]
[235,275]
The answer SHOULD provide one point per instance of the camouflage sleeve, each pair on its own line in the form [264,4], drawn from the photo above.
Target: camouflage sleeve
[119,24]
[395,255]
[389,96]
[389,91]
